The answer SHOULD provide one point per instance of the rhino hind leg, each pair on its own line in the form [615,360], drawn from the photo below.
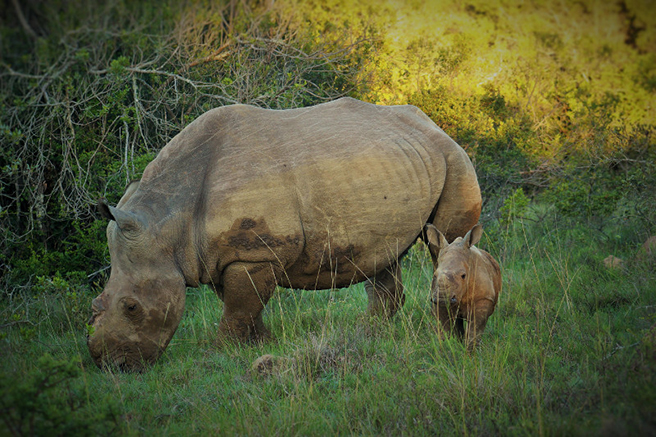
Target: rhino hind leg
[247,287]
[385,292]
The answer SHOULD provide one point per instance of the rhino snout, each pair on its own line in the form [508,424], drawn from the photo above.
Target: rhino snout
[444,298]
[97,306]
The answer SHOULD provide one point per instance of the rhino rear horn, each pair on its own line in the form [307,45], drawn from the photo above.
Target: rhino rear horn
[126,221]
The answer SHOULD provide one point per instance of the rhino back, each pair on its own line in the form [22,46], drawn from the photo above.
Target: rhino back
[344,186]
[488,276]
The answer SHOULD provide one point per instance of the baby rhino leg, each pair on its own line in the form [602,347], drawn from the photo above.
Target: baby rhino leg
[247,288]
[449,321]
[385,291]
[476,321]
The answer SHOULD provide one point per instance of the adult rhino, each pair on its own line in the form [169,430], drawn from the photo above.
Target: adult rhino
[244,199]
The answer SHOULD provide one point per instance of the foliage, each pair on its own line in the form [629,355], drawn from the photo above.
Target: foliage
[513,207]
[88,103]
[49,400]
[89,95]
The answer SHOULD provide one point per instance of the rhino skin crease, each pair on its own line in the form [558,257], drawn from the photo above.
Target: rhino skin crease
[244,199]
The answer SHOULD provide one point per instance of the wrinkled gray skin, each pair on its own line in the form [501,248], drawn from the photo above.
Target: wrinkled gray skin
[244,199]
[466,283]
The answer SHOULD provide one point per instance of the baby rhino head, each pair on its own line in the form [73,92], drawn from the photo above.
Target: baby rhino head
[453,264]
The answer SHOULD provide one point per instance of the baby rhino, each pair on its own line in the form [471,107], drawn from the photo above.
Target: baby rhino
[466,283]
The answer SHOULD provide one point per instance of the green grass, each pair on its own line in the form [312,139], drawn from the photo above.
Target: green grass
[571,350]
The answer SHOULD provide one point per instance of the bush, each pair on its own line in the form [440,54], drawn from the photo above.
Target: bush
[591,171]
[50,400]
[86,105]
[513,207]
[496,136]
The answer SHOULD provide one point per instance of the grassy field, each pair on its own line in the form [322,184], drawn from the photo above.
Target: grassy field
[571,350]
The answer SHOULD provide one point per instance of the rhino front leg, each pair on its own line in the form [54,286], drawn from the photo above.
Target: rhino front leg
[247,288]
[476,321]
[385,292]
[449,322]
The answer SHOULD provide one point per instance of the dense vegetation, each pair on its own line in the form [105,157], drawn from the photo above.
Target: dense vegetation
[554,104]
[89,103]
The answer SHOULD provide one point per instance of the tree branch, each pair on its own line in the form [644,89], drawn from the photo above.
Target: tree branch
[23,21]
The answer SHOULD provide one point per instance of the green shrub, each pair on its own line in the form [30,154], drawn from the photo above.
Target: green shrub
[52,400]
[86,106]
[513,207]
[496,136]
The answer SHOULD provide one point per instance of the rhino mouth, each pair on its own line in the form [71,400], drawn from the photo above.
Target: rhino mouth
[125,364]
[91,322]
[122,361]
[445,299]
[123,358]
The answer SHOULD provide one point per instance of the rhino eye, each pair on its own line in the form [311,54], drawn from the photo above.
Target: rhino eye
[463,276]
[132,308]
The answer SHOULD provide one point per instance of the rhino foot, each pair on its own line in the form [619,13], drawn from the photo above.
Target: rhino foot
[240,333]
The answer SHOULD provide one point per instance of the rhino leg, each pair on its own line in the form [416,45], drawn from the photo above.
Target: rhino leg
[449,321]
[476,321]
[473,332]
[459,328]
[385,292]
[247,288]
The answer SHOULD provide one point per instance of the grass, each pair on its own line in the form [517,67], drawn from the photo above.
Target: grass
[571,350]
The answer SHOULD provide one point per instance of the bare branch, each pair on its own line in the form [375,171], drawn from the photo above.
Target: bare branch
[23,21]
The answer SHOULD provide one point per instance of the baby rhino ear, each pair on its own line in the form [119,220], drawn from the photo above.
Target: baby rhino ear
[436,241]
[473,236]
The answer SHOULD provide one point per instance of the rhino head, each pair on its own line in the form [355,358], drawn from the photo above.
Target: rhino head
[453,264]
[136,315]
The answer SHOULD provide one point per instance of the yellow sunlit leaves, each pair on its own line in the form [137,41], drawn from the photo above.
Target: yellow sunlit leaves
[541,55]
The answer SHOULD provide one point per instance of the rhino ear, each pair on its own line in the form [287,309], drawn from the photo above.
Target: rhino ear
[126,221]
[473,236]
[435,240]
[104,209]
